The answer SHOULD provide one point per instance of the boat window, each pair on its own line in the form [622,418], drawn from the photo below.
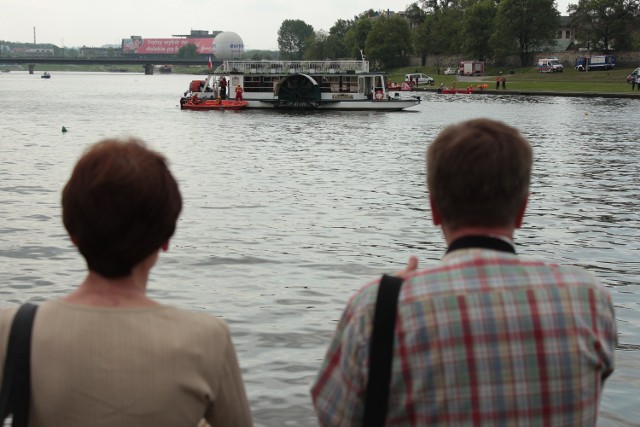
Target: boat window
[259,83]
[378,83]
[335,84]
[350,84]
[251,82]
[364,86]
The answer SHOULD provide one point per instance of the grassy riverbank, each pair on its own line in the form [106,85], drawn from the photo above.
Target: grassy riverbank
[529,80]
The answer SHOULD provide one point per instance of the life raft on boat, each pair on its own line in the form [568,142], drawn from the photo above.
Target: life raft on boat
[399,86]
[194,103]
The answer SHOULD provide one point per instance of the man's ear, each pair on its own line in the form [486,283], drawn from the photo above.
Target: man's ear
[435,213]
[520,216]
[165,246]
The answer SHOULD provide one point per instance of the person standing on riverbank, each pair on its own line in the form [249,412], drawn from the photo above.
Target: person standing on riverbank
[484,336]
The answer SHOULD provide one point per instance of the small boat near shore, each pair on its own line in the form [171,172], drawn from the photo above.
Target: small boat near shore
[197,104]
[467,90]
[45,75]
[303,85]
[450,91]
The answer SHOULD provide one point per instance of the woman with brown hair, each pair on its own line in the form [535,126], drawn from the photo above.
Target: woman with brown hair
[107,354]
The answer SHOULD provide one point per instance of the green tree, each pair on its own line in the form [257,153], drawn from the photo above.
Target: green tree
[188,51]
[441,31]
[477,27]
[524,27]
[336,47]
[356,36]
[415,15]
[604,24]
[316,46]
[435,6]
[420,37]
[292,35]
[259,55]
[389,41]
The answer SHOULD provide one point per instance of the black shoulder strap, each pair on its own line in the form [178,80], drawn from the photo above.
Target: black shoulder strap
[16,380]
[381,351]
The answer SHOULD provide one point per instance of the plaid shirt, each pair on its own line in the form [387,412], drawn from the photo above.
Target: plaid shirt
[484,339]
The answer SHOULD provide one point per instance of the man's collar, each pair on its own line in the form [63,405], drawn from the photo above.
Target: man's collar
[496,243]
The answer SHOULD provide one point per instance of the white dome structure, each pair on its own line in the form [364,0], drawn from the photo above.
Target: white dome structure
[228,45]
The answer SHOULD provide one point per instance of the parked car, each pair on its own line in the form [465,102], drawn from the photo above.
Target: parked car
[633,75]
[418,78]
[451,71]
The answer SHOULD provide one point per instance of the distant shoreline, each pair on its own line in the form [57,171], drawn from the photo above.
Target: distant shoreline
[434,89]
[629,95]
[491,91]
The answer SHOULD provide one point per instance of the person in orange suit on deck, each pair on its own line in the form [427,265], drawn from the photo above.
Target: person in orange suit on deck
[239,93]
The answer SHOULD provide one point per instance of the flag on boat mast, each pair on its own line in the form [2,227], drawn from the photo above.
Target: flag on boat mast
[210,64]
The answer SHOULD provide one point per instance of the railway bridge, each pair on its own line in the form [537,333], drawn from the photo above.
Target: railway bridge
[146,63]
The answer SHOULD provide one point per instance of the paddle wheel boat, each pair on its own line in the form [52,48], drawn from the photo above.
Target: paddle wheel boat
[312,85]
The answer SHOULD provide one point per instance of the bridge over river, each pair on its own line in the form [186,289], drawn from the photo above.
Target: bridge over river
[147,63]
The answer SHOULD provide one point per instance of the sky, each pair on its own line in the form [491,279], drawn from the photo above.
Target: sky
[75,23]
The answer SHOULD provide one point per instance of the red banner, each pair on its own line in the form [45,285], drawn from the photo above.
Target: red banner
[140,46]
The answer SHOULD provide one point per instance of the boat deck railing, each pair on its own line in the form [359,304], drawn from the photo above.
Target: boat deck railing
[296,67]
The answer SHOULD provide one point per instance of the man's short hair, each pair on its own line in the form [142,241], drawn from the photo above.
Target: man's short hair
[120,205]
[478,173]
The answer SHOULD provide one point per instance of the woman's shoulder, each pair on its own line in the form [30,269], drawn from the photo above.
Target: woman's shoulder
[163,316]
[163,324]
[196,317]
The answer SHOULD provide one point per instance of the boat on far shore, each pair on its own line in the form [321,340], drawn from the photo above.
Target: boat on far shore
[446,91]
[303,85]
[468,90]
[45,75]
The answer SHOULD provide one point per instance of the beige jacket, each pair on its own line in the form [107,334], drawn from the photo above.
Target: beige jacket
[153,366]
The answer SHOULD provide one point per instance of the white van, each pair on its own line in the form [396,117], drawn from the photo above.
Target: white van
[549,65]
[418,78]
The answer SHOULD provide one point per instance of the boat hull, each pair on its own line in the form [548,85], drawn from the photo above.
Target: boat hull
[348,105]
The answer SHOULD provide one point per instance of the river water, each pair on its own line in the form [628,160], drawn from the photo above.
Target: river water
[287,213]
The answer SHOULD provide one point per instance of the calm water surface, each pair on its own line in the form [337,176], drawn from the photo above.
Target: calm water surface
[287,214]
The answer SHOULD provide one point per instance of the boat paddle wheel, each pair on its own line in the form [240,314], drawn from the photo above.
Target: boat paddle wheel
[299,91]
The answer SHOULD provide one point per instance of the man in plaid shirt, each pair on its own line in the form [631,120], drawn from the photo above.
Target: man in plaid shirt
[485,338]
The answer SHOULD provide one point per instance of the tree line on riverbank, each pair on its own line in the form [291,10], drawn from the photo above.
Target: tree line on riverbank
[481,29]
